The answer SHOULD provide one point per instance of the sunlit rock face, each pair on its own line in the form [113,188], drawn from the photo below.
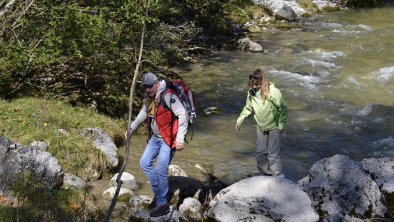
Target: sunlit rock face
[262,198]
[340,189]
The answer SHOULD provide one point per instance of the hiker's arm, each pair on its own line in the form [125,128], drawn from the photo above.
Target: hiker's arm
[141,117]
[282,113]
[247,110]
[177,108]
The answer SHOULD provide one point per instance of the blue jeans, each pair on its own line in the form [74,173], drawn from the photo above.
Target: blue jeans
[158,175]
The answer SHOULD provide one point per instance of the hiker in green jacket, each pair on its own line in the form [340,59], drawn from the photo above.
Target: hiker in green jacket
[270,113]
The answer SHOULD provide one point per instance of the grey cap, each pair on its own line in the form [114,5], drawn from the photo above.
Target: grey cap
[148,78]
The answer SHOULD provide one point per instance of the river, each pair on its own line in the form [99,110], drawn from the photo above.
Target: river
[337,75]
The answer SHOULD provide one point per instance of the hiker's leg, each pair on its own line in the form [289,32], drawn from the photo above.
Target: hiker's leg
[261,152]
[273,152]
[146,162]
[163,161]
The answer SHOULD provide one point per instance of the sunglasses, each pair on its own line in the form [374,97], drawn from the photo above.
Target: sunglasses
[253,77]
[148,86]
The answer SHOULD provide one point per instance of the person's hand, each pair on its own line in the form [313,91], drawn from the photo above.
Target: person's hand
[237,126]
[179,146]
[125,133]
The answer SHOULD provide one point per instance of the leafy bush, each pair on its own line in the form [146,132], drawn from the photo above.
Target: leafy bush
[84,52]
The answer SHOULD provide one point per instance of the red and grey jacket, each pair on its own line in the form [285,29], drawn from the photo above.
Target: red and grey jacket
[167,122]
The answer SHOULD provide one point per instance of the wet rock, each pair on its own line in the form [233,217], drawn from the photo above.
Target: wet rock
[245,44]
[286,13]
[212,110]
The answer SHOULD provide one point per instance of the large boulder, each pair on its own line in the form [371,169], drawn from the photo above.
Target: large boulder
[103,142]
[262,198]
[245,44]
[16,159]
[340,190]
[286,13]
[382,171]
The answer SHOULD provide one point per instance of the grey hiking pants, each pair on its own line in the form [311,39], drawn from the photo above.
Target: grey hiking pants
[267,153]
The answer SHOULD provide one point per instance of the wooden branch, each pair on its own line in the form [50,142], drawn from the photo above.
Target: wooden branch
[123,167]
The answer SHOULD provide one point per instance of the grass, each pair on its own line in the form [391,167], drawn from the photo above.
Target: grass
[31,119]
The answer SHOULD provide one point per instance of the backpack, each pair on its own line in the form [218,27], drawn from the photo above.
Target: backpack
[185,96]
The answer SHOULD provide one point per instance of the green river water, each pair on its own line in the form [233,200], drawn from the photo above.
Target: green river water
[337,75]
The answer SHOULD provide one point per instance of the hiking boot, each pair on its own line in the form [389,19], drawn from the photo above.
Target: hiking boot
[160,210]
[152,204]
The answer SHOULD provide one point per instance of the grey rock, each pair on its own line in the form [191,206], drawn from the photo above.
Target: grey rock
[103,142]
[72,181]
[339,188]
[382,172]
[41,145]
[245,44]
[286,13]
[13,162]
[262,198]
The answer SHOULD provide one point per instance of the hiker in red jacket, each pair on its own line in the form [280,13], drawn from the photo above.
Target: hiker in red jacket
[168,126]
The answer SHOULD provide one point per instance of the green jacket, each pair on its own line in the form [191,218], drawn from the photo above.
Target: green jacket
[270,113]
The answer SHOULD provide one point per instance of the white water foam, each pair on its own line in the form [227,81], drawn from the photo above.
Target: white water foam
[384,74]
[331,24]
[387,143]
[307,81]
[325,55]
[366,110]
[324,64]
[353,29]
[353,81]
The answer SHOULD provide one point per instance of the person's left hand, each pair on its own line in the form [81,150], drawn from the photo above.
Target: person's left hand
[179,146]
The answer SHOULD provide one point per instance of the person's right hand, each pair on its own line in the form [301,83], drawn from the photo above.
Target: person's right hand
[237,126]
[125,133]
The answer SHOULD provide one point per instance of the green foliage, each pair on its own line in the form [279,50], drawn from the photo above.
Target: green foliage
[26,120]
[84,52]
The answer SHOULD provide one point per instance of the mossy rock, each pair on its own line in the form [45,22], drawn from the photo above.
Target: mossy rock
[284,25]
[328,8]
[308,5]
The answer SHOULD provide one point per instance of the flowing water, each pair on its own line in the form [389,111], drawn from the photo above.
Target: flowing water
[337,75]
